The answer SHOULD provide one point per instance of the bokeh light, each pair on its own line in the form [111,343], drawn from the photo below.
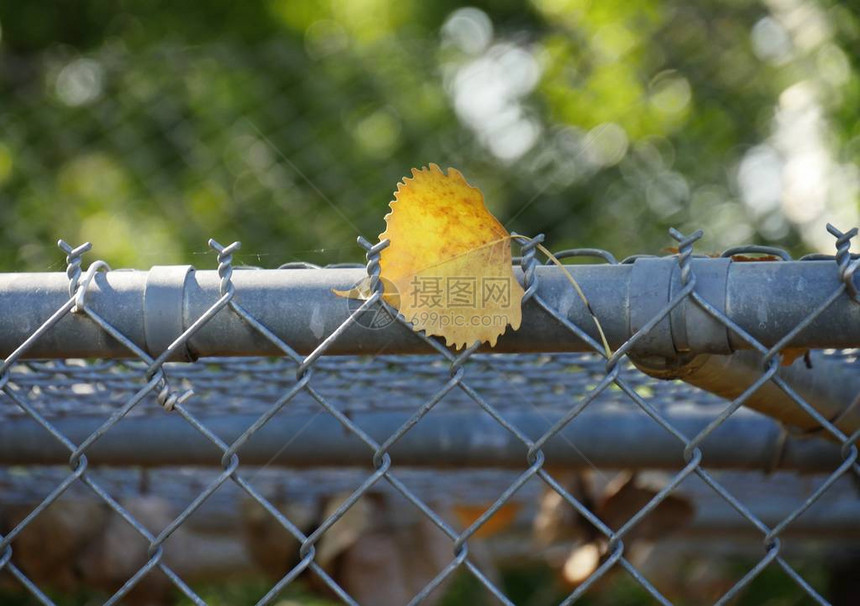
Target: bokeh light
[287,125]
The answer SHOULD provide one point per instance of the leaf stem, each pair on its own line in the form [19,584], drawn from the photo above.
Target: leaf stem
[572,280]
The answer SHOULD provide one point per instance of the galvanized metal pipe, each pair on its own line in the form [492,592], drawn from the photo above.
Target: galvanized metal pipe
[829,385]
[153,307]
[440,440]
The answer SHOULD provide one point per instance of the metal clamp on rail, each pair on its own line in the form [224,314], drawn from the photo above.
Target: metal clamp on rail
[164,310]
[655,283]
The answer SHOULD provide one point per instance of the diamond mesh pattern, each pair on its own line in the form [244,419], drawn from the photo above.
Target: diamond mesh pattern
[48,391]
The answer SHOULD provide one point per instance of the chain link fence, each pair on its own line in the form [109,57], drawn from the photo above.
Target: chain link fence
[131,380]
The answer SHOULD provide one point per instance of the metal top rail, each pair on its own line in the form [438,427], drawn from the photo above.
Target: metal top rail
[152,308]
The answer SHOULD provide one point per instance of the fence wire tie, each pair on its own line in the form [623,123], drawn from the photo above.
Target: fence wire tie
[372,255]
[169,398]
[225,264]
[74,256]
[685,251]
[83,285]
[847,267]
[528,263]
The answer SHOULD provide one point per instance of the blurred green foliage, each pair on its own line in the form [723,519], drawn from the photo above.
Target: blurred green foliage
[251,590]
[147,127]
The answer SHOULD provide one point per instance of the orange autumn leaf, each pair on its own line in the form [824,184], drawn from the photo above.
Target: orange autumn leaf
[790,354]
[500,521]
[449,260]
[447,268]
[755,259]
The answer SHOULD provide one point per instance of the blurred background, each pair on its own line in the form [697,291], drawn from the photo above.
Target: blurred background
[149,126]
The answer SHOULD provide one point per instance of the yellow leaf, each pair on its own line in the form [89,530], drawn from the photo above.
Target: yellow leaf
[449,260]
[790,354]
[359,291]
[497,523]
[447,268]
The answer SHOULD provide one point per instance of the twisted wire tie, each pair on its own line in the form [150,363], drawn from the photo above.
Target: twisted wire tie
[225,263]
[847,267]
[529,263]
[73,262]
[373,269]
[685,251]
